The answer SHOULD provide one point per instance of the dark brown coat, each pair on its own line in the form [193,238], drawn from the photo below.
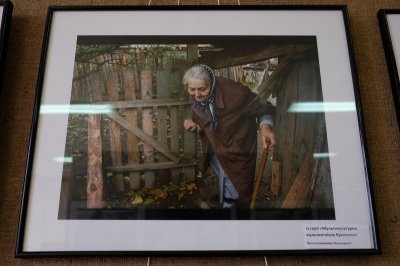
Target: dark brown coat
[235,140]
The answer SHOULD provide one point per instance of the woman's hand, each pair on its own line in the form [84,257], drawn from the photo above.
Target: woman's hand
[190,125]
[267,136]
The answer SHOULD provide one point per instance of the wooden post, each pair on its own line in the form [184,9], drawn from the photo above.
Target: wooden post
[162,93]
[147,122]
[129,85]
[115,132]
[192,54]
[95,172]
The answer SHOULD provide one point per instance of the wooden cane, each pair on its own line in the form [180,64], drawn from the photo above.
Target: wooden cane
[259,177]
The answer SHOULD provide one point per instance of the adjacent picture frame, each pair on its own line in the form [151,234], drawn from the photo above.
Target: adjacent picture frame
[390,31]
[112,170]
[6,8]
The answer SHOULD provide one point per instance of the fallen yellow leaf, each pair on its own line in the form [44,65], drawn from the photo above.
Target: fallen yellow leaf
[191,186]
[137,200]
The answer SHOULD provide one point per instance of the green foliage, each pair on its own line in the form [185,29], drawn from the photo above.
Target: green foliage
[127,179]
[93,49]
[76,155]
[109,174]
[163,51]
[84,53]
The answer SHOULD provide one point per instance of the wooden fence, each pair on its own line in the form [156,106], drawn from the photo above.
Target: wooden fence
[140,134]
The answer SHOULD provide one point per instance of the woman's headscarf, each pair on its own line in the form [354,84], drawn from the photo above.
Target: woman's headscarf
[209,103]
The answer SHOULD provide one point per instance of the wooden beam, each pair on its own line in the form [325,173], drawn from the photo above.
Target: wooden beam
[143,136]
[229,58]
[143,103]
[265,87]
[150,166]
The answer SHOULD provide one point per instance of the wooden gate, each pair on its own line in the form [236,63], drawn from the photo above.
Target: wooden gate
[138,135]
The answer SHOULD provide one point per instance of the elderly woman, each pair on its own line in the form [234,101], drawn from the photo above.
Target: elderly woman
[225,114]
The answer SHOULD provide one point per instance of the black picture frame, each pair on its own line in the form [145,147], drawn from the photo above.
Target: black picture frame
[315,235]
[387,39]
[5,20]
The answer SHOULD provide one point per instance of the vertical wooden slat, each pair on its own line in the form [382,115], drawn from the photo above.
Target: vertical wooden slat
[95,172]
[176,132]
[115,132]
[175,90]
[189,139]
[147,122]
[176,118]
[306,131]
[162,115]
[286,127]
[189,144]
[276,178]
[129,85]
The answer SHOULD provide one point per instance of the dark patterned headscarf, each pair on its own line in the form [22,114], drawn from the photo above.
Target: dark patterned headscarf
[209,103]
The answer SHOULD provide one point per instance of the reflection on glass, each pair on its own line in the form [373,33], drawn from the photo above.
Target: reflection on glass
[324,155]
[76,109]
[63,159]
[318,107]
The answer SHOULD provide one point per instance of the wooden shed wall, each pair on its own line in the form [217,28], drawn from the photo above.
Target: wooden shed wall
[300,133]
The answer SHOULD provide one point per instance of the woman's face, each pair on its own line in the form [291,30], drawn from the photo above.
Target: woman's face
[198,88]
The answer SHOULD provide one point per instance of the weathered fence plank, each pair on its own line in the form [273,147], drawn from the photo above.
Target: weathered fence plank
[162,119]
[276,178]
[285,129]
[147,123]
[176,133]
[306,131]
[115,132]
[176,112]
[299,191]
[189,144]
[94,188]
[129,85]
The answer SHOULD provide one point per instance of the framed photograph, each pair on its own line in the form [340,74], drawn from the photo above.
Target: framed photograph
[5,20]
[390,30]
[197,130]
